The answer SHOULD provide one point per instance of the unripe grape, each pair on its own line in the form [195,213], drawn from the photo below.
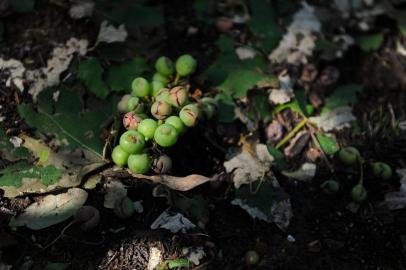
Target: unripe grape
[131,120]
[176,123]
[164,66]
[358,193]
[189,115]
[251,257]
[330,186]
[161,109]
[165,135]
[122,105]
[185,65]
[124,207]
[132,142]
[147,128]
[134,104]
[156,86]
[119,156]
[382,170]
[160,78]
[162,95]
[140,87]
[178,96]
[139,163]
[162,164]
[209,106]
[349,155]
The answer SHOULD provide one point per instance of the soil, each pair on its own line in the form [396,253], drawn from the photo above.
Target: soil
[325,232]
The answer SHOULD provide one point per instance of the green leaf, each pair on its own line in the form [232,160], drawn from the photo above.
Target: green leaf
[370,42]
[328,143]
[263,24]
[278,156]
[298,104]
[13,175]
[73,127]
[120,77]
[22,5]
[140,15]
[178,263]
[240,81]
[91,72]
[204,9]
[342,96]
[401,18]
[226,108]
[259,108]
[56,266]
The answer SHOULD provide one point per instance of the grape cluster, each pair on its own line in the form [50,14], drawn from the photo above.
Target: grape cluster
[159,111]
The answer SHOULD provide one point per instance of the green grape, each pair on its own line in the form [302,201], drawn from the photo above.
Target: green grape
[122,105]
[162,164]
[160,78]
[349,155]
[156,86]
[358,193]
[189,115]
[185,65]
[178,96]
[147,128]
[165,135]
[176,123]
[140,87]
[162,95]
[209,106]
[161,109]
[131,120]
[139,163]
[382,170]
[164,66]
[134,104]
[251,257]
[330,186]
[132,142]
[119,156]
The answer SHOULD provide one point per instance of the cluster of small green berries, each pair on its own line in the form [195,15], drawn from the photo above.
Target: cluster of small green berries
[159,111]
[350,156]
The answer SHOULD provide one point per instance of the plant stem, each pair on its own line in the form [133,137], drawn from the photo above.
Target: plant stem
[292,133]
[175,82]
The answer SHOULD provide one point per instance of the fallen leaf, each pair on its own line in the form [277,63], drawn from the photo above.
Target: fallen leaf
[110,34]
[177,183]
[305,173]
[174,222]
[115,191]
[336,119]
[300,40]
[51,209]
[154,259]
[245,53]
[248,167]
[274,132]
[194,254]
[16,70]
[81,9]
[397,200]
[297,144]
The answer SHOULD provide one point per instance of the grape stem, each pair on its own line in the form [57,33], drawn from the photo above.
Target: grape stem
[175,82]
[292,133]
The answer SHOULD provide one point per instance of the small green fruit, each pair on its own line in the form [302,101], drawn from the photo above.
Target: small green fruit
[134,104]
[140,87]
[132,142]
[161,110]
[131,120]
[162,164]
[330,186]
[185,65]
[165,135]
[122,105]
[119,156]
[251,257]
[147,128]
[124,207]
[349,155]
[358,193]
[176,123]
[209,106]
[178,96]
[156,86]
[382,170]
[162,95]
[139,163]
[160,78]
[189,115]
[164,66]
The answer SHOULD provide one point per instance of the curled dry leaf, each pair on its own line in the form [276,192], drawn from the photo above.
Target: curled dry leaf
[82,9]
[16,70]
[305,173]
[174,222]
[115,191]
[297,144]
[51,209]
[88,217]
[397,199]
[178,183]
[336,119]
[274,132]
[109,34]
